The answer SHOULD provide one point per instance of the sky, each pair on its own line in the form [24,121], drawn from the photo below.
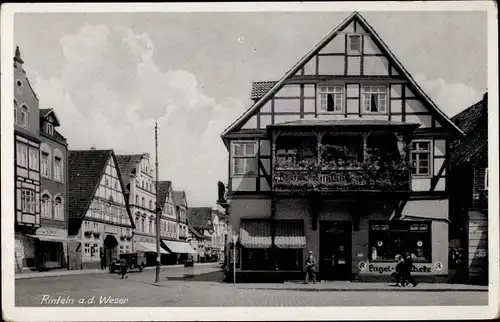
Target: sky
[110,76]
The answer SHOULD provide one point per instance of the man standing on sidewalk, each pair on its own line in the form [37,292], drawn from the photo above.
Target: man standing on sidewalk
[408,265]
[311,268]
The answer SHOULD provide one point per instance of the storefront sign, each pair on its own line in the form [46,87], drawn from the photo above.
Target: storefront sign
[49,231]
[389,268]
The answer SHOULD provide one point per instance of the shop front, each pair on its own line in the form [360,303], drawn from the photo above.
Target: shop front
[347,244]
[178,250]
[147,245]
[50,248]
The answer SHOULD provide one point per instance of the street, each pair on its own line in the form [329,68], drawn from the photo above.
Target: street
[207,289]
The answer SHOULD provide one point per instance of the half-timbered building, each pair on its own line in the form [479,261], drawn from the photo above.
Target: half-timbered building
[344,156]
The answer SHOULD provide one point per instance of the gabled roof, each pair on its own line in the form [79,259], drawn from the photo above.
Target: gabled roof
[163,188]
[178,196]
[127,164]
[45,112]
[355,16]
[474,146]
[200,217]
[85,170]
[197,233]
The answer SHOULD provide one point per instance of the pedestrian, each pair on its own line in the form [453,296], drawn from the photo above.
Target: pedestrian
[311,268]
[399,275]
[103,262]
[123,268]
[408,265]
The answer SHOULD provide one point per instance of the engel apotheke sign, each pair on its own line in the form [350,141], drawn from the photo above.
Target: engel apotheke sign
[389,268]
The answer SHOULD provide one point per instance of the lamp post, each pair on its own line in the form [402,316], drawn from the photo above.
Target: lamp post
[158,211]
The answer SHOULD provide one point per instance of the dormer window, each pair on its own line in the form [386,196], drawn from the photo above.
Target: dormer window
[354,44]
[49,128]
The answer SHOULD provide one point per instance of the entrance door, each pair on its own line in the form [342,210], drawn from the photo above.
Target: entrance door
[335,250]
[110,249]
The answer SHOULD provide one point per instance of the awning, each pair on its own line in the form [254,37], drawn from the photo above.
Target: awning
[255,233]
[179,247]
[290,234]
[148,247]
[50,238]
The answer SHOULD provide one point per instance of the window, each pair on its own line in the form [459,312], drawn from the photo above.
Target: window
[58,209]
[150,225]
[420,157]
[143,227]
[136,200]
[143,202]
[49,128]
[87,249]
[150,204]
[390,238]
[28,201]
[256,259]
[22,116]
[244,158]
[33,158]
[354,44]
[331,99]
[289,259]
[374,99]
[57,169]
[46,213]
[22,154]
[44,165]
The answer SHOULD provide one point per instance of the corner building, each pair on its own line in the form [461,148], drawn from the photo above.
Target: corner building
[344,156]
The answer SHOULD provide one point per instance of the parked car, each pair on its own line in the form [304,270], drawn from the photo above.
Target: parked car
[133,260]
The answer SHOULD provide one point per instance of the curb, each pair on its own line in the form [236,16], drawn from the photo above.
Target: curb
[23,276]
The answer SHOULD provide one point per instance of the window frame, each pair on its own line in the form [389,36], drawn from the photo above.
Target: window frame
[49,128]
[20,157]
[58,208]
[33,158]
[45,206]
[58,168]
[44,156]
[391,231]
[430,159]
[364,92]
[351,51]
[28,205]
[23,115]
[249,159]
[334,92]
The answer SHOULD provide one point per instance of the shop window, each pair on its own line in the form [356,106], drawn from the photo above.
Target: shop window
[289,259]
[391,238]
[257,259]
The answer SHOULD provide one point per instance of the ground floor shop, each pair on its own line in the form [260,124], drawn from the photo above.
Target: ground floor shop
[180,251]
[147,245]
[348,242]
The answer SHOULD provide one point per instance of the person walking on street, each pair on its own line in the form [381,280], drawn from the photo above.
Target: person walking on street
[123,268]
[103,262]
[399,275]
[311,268]
[408,265]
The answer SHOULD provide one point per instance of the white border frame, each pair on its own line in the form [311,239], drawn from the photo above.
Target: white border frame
[233,313]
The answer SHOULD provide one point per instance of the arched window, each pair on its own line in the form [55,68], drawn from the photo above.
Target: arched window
[143,225]
[23,116]
[137,221]
[45,160]
[58,209]
[136,200]
[46,209]
[150,204]
[143,202]
[58,165]
[150,225]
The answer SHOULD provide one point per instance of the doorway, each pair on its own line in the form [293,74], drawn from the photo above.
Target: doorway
[335,239]
[110,249]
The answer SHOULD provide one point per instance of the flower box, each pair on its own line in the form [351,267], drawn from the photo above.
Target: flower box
[96,234]
[87,233]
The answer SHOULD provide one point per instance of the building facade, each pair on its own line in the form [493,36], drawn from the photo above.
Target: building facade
[178,249]
[469,196]
[344,156]
[181,206]
[27,168]
[99,216]
[200,224]
[51,242]
[140,190]
[218,235]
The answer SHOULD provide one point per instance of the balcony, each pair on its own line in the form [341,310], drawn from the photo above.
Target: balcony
[313,176]
[342,156]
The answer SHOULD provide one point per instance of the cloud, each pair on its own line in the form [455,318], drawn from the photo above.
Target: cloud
[450,98]
[110,92]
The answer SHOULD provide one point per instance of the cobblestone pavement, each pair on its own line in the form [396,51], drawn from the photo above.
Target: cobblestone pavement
[207,289]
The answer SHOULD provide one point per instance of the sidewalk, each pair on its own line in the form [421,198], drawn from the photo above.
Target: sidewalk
[340,286]
[64,272]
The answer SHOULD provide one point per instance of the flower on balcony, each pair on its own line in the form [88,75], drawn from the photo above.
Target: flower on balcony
[87,233]
[96,234]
